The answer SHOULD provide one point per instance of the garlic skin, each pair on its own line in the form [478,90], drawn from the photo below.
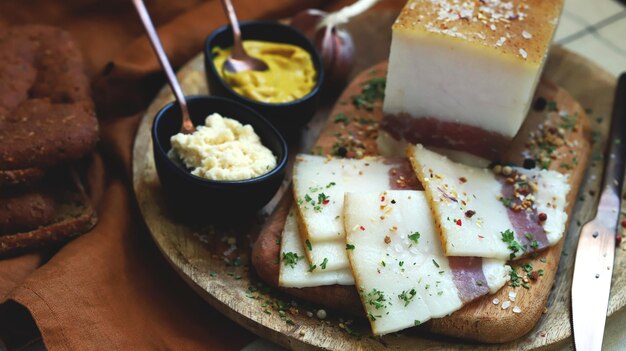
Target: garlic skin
[337,50]
[333,42]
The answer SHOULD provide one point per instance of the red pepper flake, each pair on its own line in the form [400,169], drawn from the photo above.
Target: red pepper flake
[469,213]
[382,198]
[543,217]
[624,223]
[618,240]
[362,228]
[325,202]
[459,223]
[481,237]
[534,275]
[463,180]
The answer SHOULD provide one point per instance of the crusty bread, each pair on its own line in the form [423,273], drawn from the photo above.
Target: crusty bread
[25,210]
[20,176]
[46,111]
[68,214]
[47,122]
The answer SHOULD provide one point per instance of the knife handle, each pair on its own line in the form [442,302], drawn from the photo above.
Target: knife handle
[616,147]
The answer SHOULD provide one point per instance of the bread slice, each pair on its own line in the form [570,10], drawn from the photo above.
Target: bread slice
[73,214]
[20,176]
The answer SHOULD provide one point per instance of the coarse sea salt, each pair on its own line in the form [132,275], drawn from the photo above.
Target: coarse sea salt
[516,309]
[506,304]
[512,295]
[523,53]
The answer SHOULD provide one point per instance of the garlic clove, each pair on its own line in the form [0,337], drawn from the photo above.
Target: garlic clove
[343,60]
[307,22]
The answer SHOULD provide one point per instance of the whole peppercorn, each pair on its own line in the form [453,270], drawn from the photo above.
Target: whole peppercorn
[469,213]
[529,163]
[540,104]
[543,217]
[342,151]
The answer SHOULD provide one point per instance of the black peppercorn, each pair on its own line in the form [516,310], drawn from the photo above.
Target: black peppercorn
[540,104]
[529,163]
[342,151]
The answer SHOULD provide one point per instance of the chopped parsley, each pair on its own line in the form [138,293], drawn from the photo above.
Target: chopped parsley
[323,264]
[515,278]
[321,197]
[372,90]
[551,105]
[416,322]
[376,299]
[415,237]
[290,259]
[534,244]
[407,296]
[372,317]
[349,247]
[509,238]
[506,201]
[308,245]
[568,122]
[342,118]
[312,267]
[528,268]
[435,263]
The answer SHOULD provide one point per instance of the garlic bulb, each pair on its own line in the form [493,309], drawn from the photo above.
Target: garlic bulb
[334,43]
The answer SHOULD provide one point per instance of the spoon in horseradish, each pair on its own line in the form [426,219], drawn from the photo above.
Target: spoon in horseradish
[239,60]
[187,125]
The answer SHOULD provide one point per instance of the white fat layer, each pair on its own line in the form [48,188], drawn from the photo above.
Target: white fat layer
[551,199]
[323,223]
[402,262]
[448,79]
[496,273]
[299,276]
[390,147]
[480,235]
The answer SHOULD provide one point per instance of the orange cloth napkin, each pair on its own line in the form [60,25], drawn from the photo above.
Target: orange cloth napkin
[111,288]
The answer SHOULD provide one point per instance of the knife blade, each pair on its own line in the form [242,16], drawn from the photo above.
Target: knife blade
[593,267]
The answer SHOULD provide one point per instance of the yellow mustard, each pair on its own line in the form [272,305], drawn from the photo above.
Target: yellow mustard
[290,76]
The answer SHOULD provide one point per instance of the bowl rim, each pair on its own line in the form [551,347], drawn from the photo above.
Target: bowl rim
[313,52]
[280,164]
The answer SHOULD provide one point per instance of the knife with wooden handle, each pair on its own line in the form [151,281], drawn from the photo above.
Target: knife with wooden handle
[593,268]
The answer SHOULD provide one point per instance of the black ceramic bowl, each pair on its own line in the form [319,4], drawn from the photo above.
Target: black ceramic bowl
[287,117]
[200,196]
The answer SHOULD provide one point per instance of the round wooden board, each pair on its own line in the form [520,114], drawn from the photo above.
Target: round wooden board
[205,258]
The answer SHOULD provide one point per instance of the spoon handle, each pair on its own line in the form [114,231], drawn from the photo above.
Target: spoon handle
[187,125]
[238,51]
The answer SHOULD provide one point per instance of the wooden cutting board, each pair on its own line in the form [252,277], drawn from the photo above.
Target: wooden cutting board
[213,260]
[355,130]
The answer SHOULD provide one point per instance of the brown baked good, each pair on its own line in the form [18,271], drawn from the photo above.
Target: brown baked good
[20,176]
[46,112]
[47,119]
[21,211]
[65,212]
